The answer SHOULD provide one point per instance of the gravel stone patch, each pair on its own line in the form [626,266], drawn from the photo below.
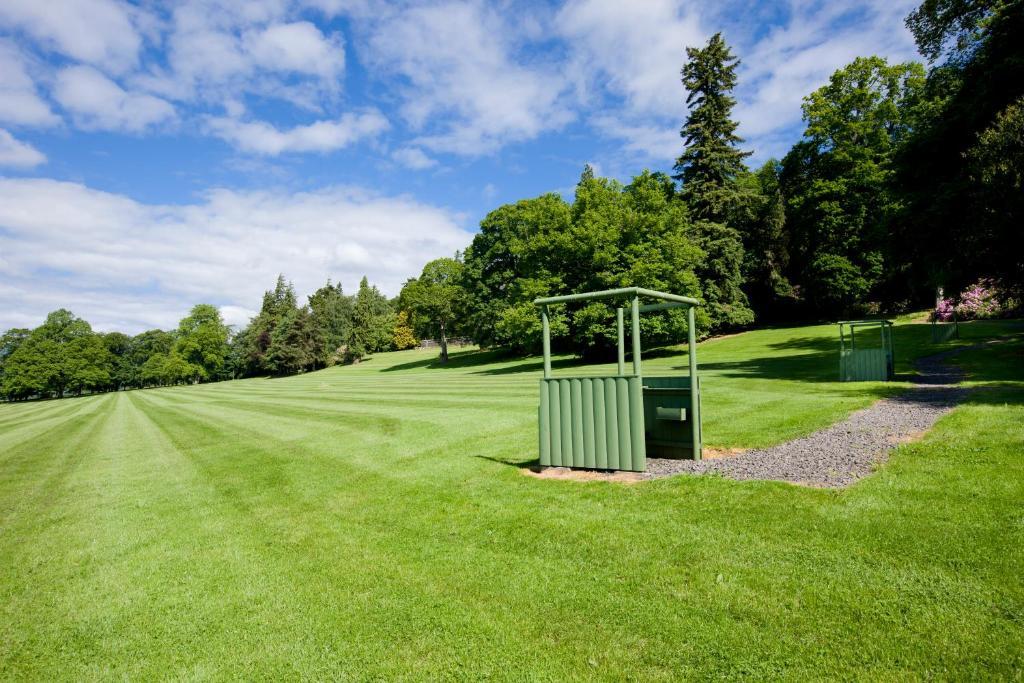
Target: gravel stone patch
[843,453]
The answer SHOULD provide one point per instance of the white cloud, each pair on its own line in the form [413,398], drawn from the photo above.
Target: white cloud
[95,31]
[18,154]
[797,57]
[20,103]
[219,48]
[122,264]
[649,141]
[97,103]
[298,47]
[463,83]
[635,54]
[414,158]
[237,316]
[260,137]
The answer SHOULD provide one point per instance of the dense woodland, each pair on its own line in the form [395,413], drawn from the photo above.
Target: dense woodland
[908,177]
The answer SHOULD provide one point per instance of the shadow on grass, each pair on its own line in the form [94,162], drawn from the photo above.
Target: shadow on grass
[530,464]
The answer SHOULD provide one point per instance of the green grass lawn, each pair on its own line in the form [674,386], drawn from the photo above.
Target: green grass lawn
[373,522]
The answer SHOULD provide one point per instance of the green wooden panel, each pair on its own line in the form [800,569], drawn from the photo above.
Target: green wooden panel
[637,433]
[943,332]
[575,388]
[600,426]
[611,421]
[864,365]
[596,422]
[544,419]
[622,417]
[565,394]
[555,411]
[589,455]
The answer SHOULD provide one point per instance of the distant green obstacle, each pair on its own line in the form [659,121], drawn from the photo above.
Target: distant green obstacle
[612,423]
[872,359]
[945,331]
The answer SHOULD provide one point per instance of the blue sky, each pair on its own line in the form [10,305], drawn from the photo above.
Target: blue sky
[156,155]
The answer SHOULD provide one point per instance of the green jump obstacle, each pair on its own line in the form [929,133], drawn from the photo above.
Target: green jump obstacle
[614,422]
[867,363]
[945,331]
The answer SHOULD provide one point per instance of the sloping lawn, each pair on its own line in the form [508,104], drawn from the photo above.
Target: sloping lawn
[373,522]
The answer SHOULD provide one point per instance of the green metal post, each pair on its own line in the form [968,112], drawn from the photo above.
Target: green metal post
[547,341]
[636,336]
[622,341]
[691,339]
[842,353]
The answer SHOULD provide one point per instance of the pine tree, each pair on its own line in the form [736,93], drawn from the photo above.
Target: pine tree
[709,168]
[373,322]
[709,165]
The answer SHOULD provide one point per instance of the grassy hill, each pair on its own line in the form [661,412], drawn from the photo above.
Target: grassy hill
[372,522]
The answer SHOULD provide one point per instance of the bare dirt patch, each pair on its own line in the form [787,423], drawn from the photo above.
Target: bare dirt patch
[569,474]
[716,453]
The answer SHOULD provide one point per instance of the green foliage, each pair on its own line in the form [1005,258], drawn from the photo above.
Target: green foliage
[838,179]
[953,27]
[436,299]
[86,363]
[996,165]
[121,372]
[404,336]
[332,315]
[711,161]
[515,258]
[202,342]
[833,283]
[143,347]
[955,174]
[611,236]
[373,323]
[296,343]
[284,338]
[61,354]
[760,219]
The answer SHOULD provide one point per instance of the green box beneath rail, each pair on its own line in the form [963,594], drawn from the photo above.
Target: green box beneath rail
[615,423]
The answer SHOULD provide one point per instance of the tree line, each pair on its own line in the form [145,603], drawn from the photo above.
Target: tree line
[907,177]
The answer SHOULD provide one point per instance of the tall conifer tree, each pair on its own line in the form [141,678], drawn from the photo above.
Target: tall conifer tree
[709,168]
[711,161]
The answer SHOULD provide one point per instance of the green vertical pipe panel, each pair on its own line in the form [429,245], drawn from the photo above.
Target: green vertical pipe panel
[691,341]
[622,340]
[547,341]
[636,336]
[600,426]
[611,404]
[575,391]
[555,411]
[637,433]
[544,418]
[566,417]
[622,415]
[589,437]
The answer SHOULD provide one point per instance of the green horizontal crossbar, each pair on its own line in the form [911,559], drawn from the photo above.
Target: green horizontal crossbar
[858,323]
[617,294]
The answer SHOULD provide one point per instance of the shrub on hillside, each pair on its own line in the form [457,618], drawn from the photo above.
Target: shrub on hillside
[980,301]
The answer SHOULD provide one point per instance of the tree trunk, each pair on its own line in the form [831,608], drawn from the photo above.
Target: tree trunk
[444,345]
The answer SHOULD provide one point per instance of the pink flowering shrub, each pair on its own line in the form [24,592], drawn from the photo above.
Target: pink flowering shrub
[944,311]
[977,302]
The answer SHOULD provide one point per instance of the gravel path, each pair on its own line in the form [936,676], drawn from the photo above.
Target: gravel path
[845,452]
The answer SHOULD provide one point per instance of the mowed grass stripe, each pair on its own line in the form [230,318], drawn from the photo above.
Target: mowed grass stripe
[20,431]
[39,466]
